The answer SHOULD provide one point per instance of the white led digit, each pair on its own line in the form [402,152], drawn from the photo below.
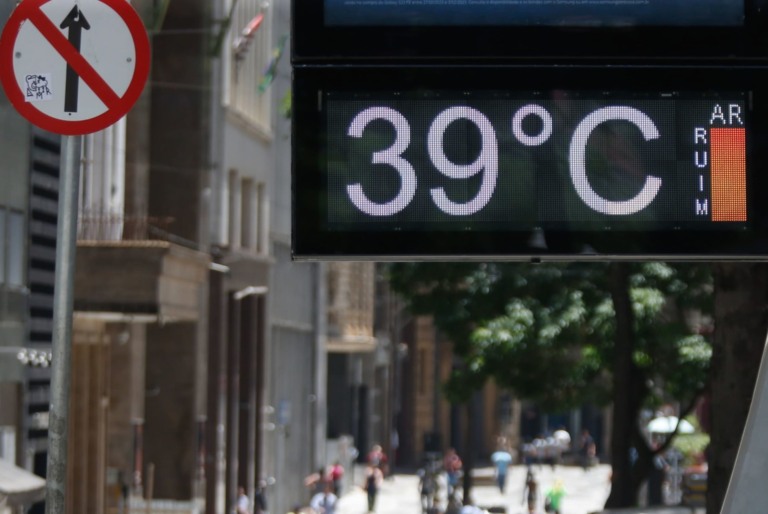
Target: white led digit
[391,156]
[577,158]
[532,110]
[487,160]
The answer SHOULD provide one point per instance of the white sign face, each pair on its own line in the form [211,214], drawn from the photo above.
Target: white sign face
[79,65]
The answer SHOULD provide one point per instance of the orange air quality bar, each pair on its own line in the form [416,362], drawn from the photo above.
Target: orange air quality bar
[729,174]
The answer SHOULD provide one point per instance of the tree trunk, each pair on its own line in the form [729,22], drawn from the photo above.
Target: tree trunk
[469,451]
[627,390]
[741,321]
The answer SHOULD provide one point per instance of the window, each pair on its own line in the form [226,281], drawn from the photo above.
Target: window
[247,214]
[15,249]
[248,56]
[260,219]
[234,209]
[12,243]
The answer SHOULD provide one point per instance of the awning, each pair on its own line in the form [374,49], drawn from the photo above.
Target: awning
[18,486]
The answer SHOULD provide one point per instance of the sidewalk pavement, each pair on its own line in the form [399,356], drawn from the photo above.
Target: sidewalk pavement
[656,510]
[586,491]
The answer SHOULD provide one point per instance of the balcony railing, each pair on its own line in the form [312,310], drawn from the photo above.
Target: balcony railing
[129,228]
[123,228]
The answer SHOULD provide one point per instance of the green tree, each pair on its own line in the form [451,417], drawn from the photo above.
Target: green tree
[565,334]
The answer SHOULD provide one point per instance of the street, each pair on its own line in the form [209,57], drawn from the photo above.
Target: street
[586,491]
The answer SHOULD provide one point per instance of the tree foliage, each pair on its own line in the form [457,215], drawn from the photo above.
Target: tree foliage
[546,331]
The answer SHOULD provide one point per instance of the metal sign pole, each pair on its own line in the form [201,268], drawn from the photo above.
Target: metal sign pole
[751,466]
[66,239]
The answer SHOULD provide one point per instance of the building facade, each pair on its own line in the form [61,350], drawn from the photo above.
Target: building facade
[200,349]
[188,304]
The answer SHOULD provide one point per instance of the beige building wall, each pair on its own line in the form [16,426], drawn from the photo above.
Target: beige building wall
[424,380]
[126,405]
[350,310]
[88,413]
[431,362]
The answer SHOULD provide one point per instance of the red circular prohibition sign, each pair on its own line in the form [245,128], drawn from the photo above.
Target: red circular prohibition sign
[117,106]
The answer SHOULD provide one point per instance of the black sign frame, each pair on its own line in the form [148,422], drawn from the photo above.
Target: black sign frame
[315,41]
[311,238]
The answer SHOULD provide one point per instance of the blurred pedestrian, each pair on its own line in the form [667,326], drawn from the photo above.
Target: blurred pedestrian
[554,497]
[316,481]
[428,486]
[531,492]
[501,459]
[377,457]
[373,479]
[325,502]
[452,465]
[336,474]
[587,449]
[243,504]
[260,498]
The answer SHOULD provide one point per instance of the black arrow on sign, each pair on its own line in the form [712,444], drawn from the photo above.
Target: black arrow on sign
[76,22]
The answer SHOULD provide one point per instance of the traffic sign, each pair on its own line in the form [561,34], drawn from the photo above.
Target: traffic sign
[74,66]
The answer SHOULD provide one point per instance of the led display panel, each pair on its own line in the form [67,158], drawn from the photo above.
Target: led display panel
[621,171]
[532,12]
[527,30]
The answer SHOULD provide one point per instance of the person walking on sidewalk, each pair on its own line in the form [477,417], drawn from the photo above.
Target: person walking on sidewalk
[260,498]
[452,465]
[531,492]
[336,474]
[501,458]
[373,479]
[377,457]
[325,502]
[428,486]
[316,481]
[243,505]
[554,497]
[587,450]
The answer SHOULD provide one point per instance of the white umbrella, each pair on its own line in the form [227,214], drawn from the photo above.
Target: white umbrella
[667,424]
